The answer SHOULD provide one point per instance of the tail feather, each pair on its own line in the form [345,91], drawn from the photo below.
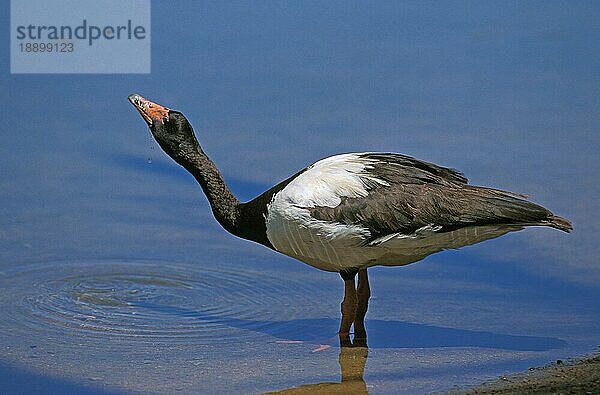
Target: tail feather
[510,206]
[559,223]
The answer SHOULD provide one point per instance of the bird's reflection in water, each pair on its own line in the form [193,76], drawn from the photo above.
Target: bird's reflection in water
[352,359]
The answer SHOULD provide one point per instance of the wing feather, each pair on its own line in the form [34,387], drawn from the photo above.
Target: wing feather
[413,194]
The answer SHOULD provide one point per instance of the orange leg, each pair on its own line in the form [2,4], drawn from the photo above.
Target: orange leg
[348,308]
[363,294]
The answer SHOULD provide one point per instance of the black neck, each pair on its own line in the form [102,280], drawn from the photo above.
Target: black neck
[245,220]
[225,206]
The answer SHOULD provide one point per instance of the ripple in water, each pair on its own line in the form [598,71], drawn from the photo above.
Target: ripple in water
[147,301]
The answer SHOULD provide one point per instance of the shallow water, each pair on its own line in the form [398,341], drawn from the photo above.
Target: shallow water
[114,277]
[160,326]
[152,302]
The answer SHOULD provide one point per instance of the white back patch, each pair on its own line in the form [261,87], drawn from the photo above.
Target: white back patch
[328,180]
[326,245]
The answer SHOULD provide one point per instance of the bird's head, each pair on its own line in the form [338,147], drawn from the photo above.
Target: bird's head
[170,129]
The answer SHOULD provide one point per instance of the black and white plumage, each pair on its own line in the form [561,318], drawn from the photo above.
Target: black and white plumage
[348,212]
[357,210]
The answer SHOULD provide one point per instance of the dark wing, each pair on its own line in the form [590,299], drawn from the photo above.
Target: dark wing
[420,194]
[396,168]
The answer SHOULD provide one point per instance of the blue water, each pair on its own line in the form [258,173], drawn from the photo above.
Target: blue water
[115,278]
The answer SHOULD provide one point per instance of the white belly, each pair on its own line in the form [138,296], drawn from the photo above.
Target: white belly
[324,245]
[333,247]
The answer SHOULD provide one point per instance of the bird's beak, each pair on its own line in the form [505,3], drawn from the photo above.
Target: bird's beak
[151,112]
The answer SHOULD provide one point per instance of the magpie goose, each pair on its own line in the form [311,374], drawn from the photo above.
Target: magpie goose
[349,212]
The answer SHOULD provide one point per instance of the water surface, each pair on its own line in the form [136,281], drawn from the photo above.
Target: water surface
[114,277]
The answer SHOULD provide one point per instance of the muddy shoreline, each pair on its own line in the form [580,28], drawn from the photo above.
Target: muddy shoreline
[580,376]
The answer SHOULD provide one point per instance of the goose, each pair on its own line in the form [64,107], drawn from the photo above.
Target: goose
[352,211]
